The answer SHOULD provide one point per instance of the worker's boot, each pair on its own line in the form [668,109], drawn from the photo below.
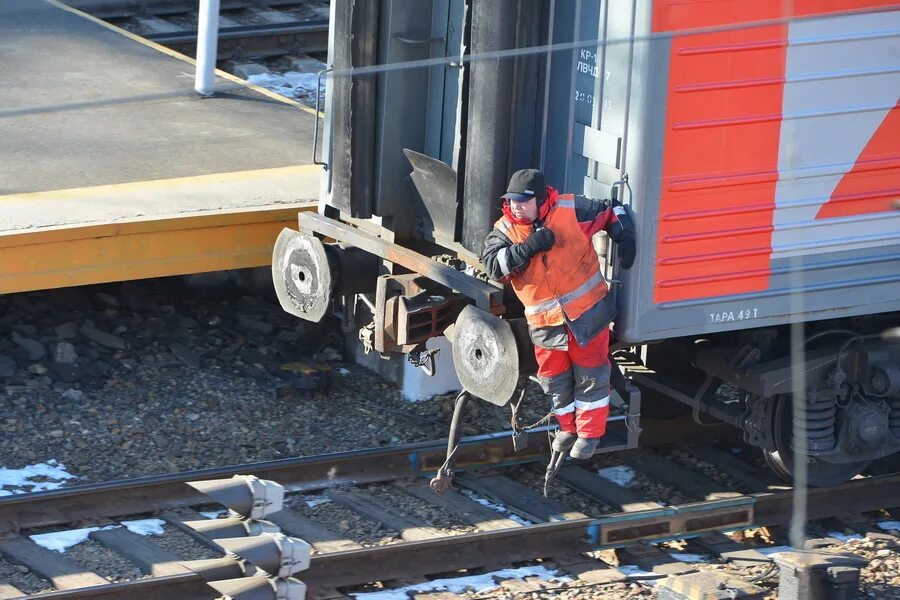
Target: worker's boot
[584,448]
[563,441]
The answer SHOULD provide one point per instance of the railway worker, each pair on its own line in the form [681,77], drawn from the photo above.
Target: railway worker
[542,246]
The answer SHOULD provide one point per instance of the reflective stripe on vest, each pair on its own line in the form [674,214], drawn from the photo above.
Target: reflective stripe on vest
[581,290]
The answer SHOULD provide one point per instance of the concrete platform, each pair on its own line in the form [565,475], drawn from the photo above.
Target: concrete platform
[112,168]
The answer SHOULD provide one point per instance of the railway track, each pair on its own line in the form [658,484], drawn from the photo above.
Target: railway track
[246,30]
[370,484]
[121,9]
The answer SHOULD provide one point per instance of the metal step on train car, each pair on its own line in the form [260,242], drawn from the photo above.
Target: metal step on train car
[756,144]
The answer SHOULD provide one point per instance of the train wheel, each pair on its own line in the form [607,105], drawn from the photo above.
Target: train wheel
[781,460]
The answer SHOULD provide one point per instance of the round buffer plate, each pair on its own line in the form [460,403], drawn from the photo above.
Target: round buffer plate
[302,276]
[485,355]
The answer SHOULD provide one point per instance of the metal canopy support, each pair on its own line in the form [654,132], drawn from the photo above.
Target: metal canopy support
[208,37]
[484,294]
[352,106]
[487,149]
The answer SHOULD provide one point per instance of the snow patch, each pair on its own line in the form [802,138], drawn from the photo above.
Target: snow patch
[60,541]
[343,372]
[843,537]
[314,502]
[889,525]
[145,526]
[635,572]
[27,479]
[620,475]
[212,514]
[293,85]
[687,557]
[459,585]
[495,507]
[773,549]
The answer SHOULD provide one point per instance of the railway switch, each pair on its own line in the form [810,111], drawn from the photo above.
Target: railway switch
[255,548]
[245,495]
[232,527]
[216,569]
[274,553]
[260,588]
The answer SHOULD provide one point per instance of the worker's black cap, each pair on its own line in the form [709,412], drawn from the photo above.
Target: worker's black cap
[525,185]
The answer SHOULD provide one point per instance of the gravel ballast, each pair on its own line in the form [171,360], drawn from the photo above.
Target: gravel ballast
[23,579]
[157,376]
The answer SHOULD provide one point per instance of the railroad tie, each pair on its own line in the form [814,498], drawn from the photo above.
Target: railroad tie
[727,549]
[588,570]
[520,498]
[8,591]
[756,481]
[653,560]
[148,556]
[456,503]
[661,470]
[62,572]
[177,520]
[410,529]
[604,491]
[321,538]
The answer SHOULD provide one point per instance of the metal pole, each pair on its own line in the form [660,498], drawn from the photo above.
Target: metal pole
[207,40]
[799,434]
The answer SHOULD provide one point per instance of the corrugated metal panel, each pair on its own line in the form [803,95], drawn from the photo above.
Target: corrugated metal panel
[781,157]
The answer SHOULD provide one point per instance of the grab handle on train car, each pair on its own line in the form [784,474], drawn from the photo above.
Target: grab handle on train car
[315,147]
[615,195]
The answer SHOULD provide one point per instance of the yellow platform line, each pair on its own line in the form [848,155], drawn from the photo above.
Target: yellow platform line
[134,186]
[158,247]
[180,56]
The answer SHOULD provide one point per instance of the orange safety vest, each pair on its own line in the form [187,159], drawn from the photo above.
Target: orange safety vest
[564,280]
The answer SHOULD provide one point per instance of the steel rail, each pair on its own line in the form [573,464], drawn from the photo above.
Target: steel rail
[165,492]
[123,9]
[555,539]
[547,540]
[271,39]
[245,31]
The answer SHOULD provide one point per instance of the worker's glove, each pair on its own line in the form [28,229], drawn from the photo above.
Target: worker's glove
[540,240]
[627,249]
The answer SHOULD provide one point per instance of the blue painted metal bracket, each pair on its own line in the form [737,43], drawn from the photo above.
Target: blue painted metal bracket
[671,522]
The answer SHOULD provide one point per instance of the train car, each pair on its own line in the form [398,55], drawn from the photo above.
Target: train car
[755,143]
